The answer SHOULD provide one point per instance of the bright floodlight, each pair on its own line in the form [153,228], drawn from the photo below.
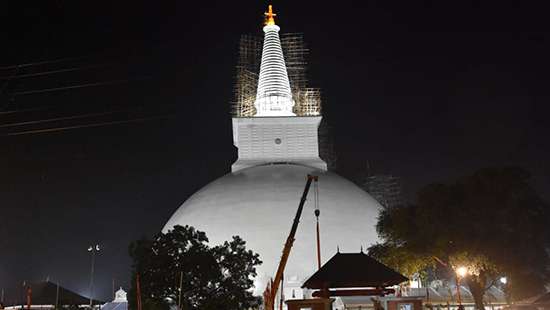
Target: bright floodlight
[503,280]
[90,248]
[461,271]
[97,247]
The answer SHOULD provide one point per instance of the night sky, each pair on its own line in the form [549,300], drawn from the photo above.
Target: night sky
[425,90]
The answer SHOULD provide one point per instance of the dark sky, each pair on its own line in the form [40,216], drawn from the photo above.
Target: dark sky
[426,90]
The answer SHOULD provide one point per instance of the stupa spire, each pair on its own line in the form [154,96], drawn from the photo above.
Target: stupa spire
[274,134]
[273,97]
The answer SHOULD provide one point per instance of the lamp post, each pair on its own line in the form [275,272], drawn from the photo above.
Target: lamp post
[93,249]
[460,273]
[506,288]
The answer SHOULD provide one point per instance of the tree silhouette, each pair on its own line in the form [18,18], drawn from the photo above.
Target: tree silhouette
[212,277]
[492,222]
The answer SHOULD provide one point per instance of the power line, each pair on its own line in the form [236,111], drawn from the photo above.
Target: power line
[24,110]
[15,76]
[60,118]
[42,62]
[86,126]
[38,91]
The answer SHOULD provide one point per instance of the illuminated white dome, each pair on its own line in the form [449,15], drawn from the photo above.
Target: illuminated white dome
[259,198]
[259,204]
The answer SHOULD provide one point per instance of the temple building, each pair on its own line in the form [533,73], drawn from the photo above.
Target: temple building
[275,131]
[119,303]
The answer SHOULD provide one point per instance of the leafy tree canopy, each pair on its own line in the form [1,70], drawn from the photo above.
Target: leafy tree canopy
[218,277]
[492,222]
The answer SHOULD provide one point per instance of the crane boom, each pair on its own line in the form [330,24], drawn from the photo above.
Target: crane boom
[271,290]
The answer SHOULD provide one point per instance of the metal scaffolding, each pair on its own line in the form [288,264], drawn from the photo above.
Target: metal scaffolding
[246,81]
[307,100]
[386,189]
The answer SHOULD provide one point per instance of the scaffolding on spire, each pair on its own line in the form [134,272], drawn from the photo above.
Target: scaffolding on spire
[307,100]
[246,80]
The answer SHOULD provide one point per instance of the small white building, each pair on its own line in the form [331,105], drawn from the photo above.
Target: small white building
[119,303]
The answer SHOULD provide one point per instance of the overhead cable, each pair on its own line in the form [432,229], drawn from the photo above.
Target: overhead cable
[42,62]
[51,72]
[60,118]
[38,91]
[86,126]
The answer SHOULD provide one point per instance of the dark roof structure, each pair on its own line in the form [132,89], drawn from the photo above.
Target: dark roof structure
[346,270]
[45,293]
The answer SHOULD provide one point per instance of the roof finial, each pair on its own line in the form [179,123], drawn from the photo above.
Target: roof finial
[337,249]
[361,248]
[269,16]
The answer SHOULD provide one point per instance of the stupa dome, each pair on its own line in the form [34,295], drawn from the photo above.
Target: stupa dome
[259,204]
[257,201]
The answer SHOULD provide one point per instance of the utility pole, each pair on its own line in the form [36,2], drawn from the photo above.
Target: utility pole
[29,297]
[138,292]
[57,297]
[459,299]
[180,289]
[460,273]
[93,249]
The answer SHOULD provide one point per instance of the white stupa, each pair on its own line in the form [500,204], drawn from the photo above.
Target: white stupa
[259,198]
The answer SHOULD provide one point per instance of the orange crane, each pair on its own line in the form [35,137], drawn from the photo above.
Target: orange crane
[272,288]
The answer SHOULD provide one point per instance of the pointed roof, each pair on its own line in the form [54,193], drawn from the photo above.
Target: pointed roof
[44,293]
[346,270]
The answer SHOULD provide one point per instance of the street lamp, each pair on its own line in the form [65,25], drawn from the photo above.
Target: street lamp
[461,272]
[506,287]
[93,249]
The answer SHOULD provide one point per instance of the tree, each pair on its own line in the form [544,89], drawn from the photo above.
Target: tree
[213,277]
[492,222]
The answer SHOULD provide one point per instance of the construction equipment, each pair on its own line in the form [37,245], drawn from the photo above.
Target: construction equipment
[272,288]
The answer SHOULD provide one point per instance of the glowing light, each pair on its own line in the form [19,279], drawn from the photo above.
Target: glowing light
[93,248]
[270,16]
[414,284]
[503,280]
[462,271]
